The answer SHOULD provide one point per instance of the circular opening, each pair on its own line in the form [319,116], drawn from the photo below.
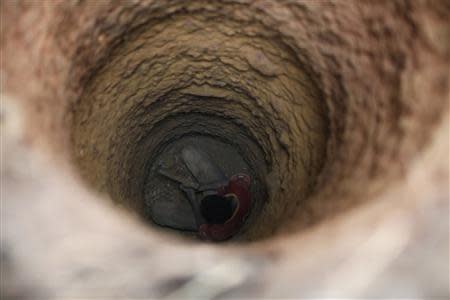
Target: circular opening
[317,118]
[321,103]
[247,101]
[218,209]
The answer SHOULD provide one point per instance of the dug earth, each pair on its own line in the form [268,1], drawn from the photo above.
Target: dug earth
[336,112]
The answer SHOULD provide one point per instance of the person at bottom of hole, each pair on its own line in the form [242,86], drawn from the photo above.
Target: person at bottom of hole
[225,212]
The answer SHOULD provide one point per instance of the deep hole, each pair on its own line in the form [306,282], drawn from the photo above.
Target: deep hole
[217,209]
[330,103]
[251,104]
[293,103]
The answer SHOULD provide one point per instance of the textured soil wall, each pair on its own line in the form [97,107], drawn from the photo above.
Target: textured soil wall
[339,107]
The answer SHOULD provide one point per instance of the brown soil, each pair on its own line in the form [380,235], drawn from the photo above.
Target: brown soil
[339,108]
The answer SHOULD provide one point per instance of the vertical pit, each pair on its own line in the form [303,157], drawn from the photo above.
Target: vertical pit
[381,69]
[204,75]
[366,72]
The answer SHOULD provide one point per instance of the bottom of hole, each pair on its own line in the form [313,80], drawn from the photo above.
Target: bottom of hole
[189,163]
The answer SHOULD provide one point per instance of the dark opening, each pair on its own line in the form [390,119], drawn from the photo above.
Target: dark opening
[217,209]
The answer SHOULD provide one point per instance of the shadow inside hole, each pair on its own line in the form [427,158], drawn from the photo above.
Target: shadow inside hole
[217,209]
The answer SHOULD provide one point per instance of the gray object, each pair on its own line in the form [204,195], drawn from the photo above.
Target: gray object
[198,163]
[202,168]
[208,176]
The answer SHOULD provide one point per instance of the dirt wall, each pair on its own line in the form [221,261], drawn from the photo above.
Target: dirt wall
[341,107]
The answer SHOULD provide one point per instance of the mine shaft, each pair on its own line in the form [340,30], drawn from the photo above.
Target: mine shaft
[225,149]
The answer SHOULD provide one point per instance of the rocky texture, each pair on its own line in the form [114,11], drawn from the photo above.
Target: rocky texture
[340,104]
[247,83]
